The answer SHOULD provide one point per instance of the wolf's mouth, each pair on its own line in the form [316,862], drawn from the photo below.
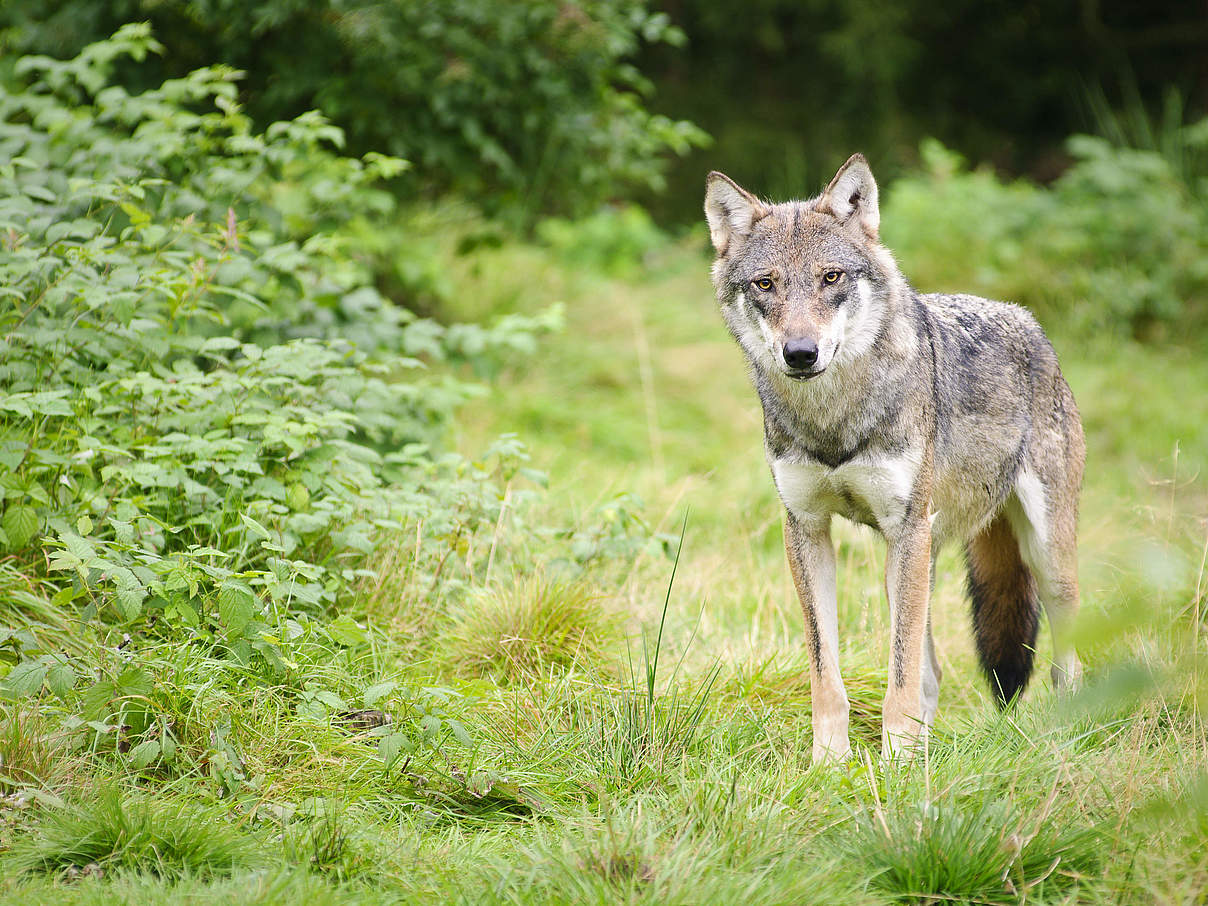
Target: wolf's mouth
[804,375]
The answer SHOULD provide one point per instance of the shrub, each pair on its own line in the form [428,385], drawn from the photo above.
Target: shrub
[1117,244]
[525,107]
[206,422]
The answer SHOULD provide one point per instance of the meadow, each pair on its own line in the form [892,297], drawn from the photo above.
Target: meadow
[360,607]
[640,732]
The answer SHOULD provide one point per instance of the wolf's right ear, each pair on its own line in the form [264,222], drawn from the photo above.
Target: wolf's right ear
[730,209]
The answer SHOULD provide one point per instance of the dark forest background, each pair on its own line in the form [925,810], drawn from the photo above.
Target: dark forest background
[503,102]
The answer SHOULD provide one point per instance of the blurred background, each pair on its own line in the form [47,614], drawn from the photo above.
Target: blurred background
[498,101]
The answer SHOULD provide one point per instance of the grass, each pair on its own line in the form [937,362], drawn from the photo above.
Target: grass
[567,737]
[532,625]
[103,831]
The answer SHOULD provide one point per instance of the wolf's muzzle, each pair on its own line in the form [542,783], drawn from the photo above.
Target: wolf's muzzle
[800,354]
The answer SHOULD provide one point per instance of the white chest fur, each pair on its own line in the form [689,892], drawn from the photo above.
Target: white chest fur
[871,491]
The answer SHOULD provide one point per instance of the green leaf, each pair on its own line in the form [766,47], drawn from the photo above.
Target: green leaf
[60,679]
[236,606]
[344,631]
[257,529]
[20,524]
[144,754]
[459,733]
[84,525]
[130,595]
[394,745]
[331,700]
[26,678]
[377,692]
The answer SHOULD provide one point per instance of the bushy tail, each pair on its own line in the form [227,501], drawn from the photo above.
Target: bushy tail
[1005,609]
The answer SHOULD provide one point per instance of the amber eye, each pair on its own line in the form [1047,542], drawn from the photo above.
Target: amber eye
[764,284]
[831,277]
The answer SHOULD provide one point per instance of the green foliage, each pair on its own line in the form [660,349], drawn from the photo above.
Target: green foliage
[524,107]
[613,240]
[1118,243]
[205,423]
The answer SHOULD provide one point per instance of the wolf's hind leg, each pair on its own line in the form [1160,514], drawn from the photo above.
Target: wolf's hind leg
[811,556]
[1046,525]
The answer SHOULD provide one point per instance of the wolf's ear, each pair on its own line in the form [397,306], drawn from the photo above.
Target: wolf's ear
[730,209]
[852,196]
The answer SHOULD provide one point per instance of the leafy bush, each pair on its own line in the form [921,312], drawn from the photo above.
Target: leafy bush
[209,420]
[527,106]
[1118,243]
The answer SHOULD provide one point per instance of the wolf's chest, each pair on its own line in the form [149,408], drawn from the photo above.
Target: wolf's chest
[874,492]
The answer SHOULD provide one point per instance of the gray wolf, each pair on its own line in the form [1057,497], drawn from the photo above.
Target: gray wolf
[931,418]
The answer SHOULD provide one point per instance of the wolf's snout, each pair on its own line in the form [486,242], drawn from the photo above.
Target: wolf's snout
[801,353]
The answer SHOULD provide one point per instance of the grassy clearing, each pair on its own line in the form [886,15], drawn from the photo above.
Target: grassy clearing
[555,741]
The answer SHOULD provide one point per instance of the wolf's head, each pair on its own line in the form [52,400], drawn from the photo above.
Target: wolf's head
[804,284]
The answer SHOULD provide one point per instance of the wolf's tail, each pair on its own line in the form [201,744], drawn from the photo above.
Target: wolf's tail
[1005,609]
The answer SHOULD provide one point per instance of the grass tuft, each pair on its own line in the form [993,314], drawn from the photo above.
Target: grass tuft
[111,831]
[525,629]
[29,754]
[931,851]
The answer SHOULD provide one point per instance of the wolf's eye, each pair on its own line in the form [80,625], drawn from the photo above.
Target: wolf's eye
[831,277]
[764,284]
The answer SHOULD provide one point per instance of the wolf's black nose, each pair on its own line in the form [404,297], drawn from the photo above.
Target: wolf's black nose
[800,353]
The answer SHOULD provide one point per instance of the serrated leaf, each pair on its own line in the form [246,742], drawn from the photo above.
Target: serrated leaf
[130,599]
[344,631]
[60,679]
[220,344]
[459,733]
[144,754]
[377,692]
[84,525]
[236,606]
[26,678]
[331,700]
[394,745]
[20,524]
[79,547]
[257,529]
[430,724]
[50,402]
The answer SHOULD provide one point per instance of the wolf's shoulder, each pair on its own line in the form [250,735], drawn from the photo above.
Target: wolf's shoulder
[966,314]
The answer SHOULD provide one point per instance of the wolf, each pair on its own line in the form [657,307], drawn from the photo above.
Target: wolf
[929,417]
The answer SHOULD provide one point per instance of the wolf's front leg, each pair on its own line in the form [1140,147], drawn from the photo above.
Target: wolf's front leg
[907,578]
[812,561]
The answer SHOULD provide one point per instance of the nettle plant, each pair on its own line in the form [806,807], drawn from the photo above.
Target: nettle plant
[208,415]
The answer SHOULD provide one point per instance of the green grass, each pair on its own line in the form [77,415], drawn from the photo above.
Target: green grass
[546,756]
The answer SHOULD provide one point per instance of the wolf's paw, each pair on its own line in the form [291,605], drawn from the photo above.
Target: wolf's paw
[1067,674]
[903,742]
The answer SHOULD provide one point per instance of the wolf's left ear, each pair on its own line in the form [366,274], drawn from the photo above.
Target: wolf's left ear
[730,209]
[852,196]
